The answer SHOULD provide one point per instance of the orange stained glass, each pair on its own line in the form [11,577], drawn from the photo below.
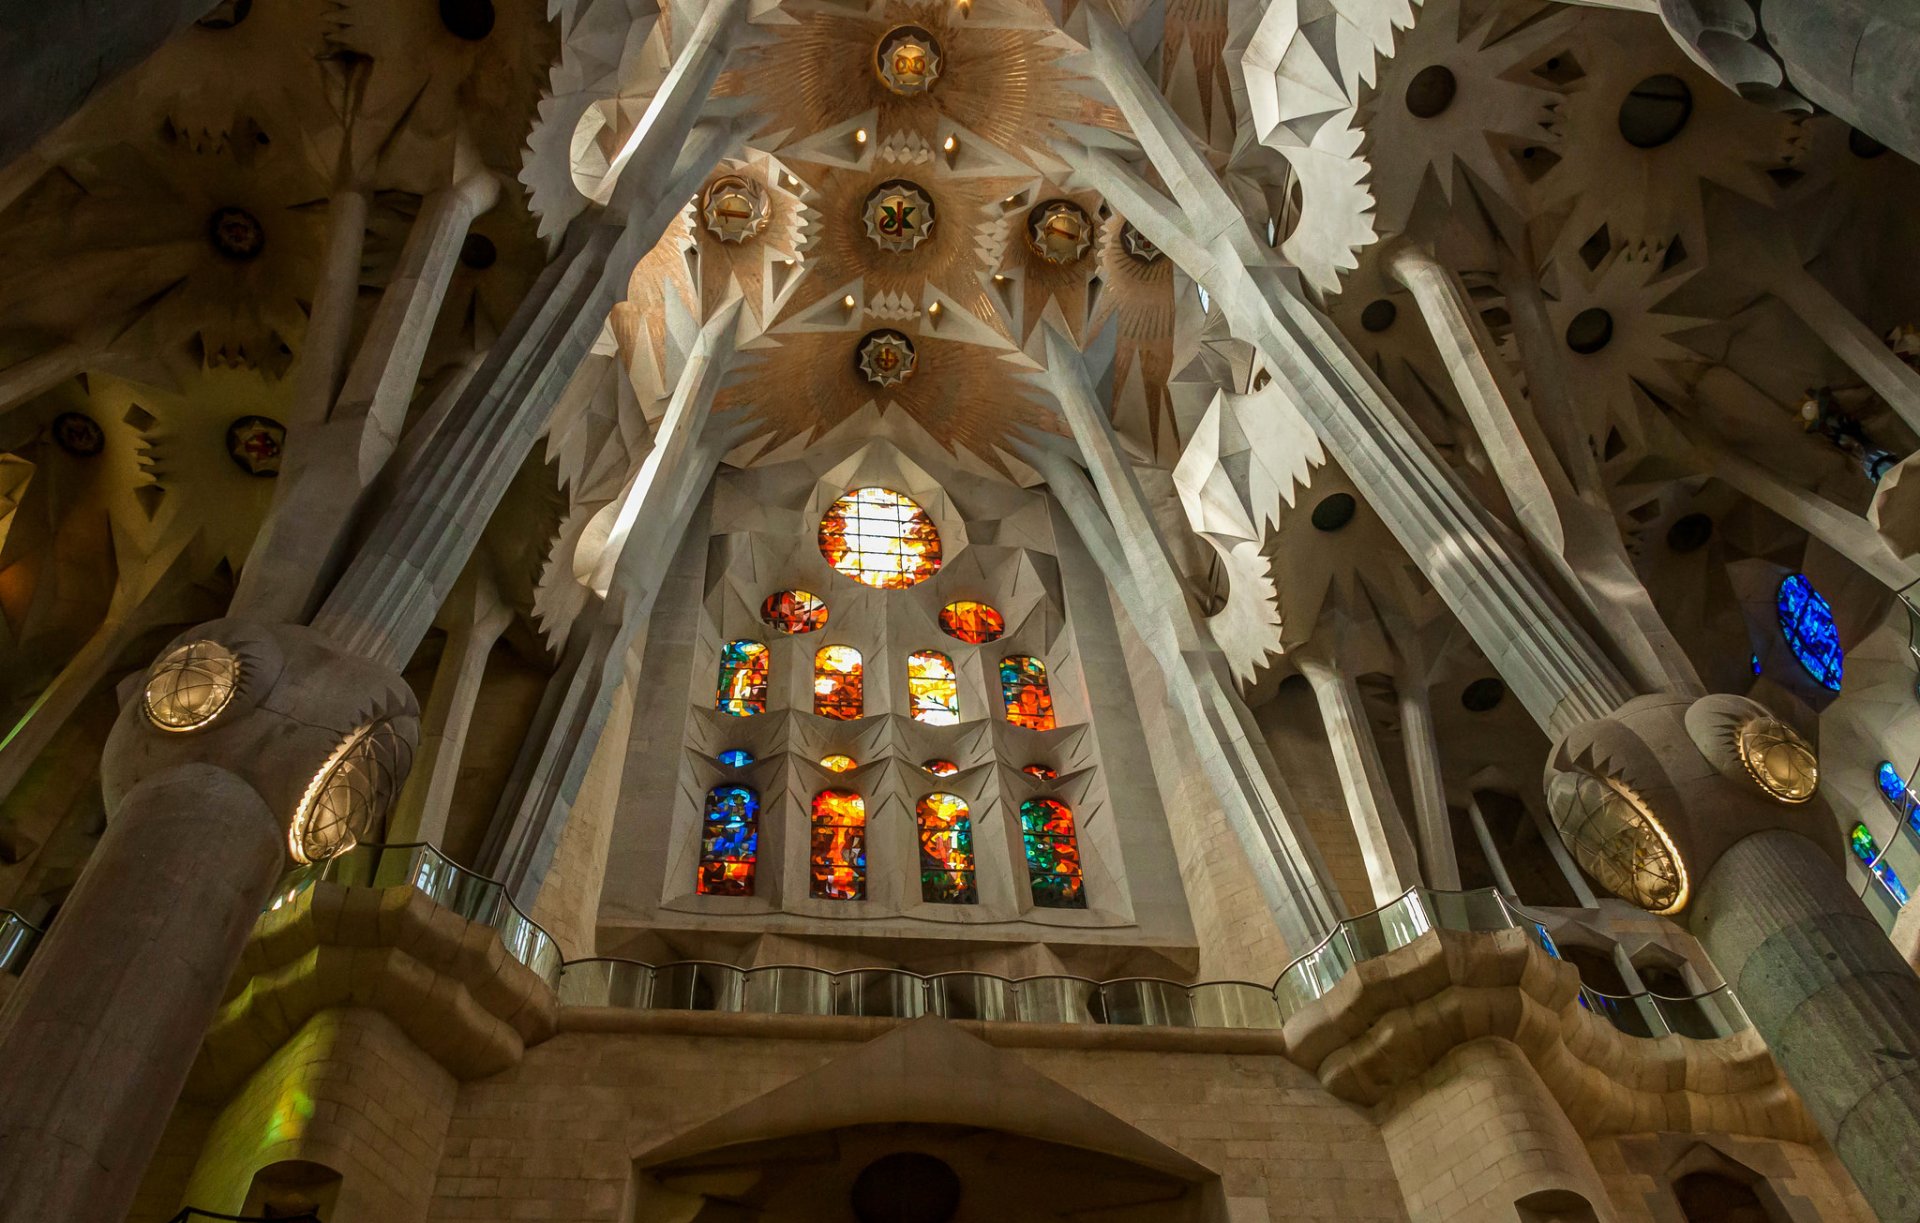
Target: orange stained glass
[836,682]
[971,622]
[794,611]
[940,768]
[1023,688]
[946,850]
[742,690]
[838,764]
[837,863]
[1044,772]
[1053,854]
[880,538]
[932,688]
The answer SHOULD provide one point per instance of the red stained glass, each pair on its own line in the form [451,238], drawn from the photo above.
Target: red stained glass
[1053,854]
[940,768]
[794,611]
[946,850]
[973,623]
[838,861]
[933,691]
[836,682]
[1023,687]
[1041,771]
[880,538]
[742,690]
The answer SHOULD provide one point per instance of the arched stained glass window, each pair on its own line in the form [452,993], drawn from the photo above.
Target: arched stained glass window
[932,688]
[1053,854]
[1867,850]
[836,682]
[1806,621]
[1893,787]
[838,763]
[838,860]
[729,841]
[940,768]
[1023,687]
[881,539]
[971,622]
[794,611]
[742,690]
[946,850]
[735,757]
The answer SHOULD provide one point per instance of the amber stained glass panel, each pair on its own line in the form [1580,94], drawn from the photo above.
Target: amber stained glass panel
[729,841]
[1042,771]
[880,538]
[1053,854]
[946,850]
[794,611]
[932,688]
[837,763]
[742,690]
[1023,686]
[838,861]
[940,768]
[837,682]
[971,622]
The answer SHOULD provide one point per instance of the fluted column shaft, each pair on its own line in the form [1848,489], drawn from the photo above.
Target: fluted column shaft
[1377,824]
[1837,1004]
[1438,858]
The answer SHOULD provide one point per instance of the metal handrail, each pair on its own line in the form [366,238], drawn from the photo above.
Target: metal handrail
[423,867]
[189,1213]
[710,985]
[18,938]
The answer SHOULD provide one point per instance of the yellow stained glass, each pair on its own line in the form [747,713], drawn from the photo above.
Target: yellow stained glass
[932,688]
[838,764]
[742,690]
[1023,688]
[880,538]
[972,622]
[837,863]
[837,682]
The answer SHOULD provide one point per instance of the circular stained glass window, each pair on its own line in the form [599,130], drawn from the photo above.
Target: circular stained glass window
[880,538]
[971,622]
[1806,621]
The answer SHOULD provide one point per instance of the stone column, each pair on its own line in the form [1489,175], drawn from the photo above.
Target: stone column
[1551,663]
[1550,836]
[333,458]
[56,55]
[84,1097]
[1377,824]
[323,350]
[1865,353]
[647,529]
[1484,834]
[1838,1005]
[474,617]
[1121,533]
[1435,825]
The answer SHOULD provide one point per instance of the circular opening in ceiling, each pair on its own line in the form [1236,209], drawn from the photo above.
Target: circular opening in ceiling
[468,19]
[478,252]
[79,434]
[1655,111]
[1690,533]
[1334,512]
[1590,331]
[1379,315]
[1431,91]
[226,15]
[236,233]
[1862,145]
[1482,695]
[906,1187]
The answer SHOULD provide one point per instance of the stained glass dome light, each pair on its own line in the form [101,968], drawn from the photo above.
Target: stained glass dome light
[191,686]
[880,538]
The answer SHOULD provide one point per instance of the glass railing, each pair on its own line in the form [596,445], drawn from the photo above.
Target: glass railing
[18,937]
[445,882]
[791,989]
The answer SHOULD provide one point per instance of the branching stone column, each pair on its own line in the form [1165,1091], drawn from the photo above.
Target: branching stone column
[1548,661]
[647,530]
[331,462]
[1126,542]
[1851,340]
[1377,824]
[1438,857]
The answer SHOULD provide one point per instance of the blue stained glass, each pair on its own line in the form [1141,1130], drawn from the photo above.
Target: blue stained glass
[1867,850]
[1893,787]
[729,841]
[1756,664]
[735,757]
[1807,622]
